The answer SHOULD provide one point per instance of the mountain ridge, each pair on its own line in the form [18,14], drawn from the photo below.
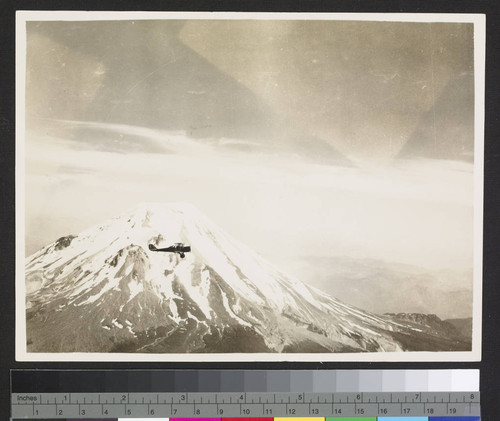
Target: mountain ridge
[104,291]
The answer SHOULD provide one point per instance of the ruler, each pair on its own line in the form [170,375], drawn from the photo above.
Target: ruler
[246,404]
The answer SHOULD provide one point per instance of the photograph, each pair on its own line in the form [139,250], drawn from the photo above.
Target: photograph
[249,186]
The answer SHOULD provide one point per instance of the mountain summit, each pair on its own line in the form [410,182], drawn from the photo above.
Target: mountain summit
[105,291]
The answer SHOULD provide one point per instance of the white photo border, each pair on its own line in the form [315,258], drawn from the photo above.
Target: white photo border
[479,22]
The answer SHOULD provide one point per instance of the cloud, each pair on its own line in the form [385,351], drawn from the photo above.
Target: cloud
[418,211]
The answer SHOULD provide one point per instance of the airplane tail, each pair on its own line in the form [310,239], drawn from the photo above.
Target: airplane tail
[152,247]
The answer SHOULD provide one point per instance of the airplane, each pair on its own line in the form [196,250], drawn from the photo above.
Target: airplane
[178,248]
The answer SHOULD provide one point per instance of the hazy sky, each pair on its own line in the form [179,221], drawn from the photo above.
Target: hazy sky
[370,89]
[415,212]
[298,138]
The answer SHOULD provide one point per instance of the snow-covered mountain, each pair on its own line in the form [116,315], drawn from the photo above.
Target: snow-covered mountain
[105,291]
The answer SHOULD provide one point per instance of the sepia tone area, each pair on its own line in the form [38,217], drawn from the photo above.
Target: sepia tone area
[324,162]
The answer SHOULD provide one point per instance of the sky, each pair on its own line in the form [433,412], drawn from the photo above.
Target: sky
[318,88]
[299,138]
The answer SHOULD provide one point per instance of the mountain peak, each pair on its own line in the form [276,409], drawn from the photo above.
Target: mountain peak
[158,207]
[218,294]
[148,210]
[169,222]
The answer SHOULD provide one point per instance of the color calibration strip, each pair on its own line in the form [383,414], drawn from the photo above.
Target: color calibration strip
[316,419]
[331,381]
[292,419]
[222,406]
[219,395]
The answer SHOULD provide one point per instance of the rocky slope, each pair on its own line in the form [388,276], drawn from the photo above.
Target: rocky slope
[105,291]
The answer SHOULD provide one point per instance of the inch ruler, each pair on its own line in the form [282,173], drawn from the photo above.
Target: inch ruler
[245,404]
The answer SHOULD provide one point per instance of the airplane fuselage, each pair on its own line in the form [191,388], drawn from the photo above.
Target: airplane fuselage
[178,248]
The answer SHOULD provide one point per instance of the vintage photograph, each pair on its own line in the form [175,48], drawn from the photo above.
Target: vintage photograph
[250,187]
